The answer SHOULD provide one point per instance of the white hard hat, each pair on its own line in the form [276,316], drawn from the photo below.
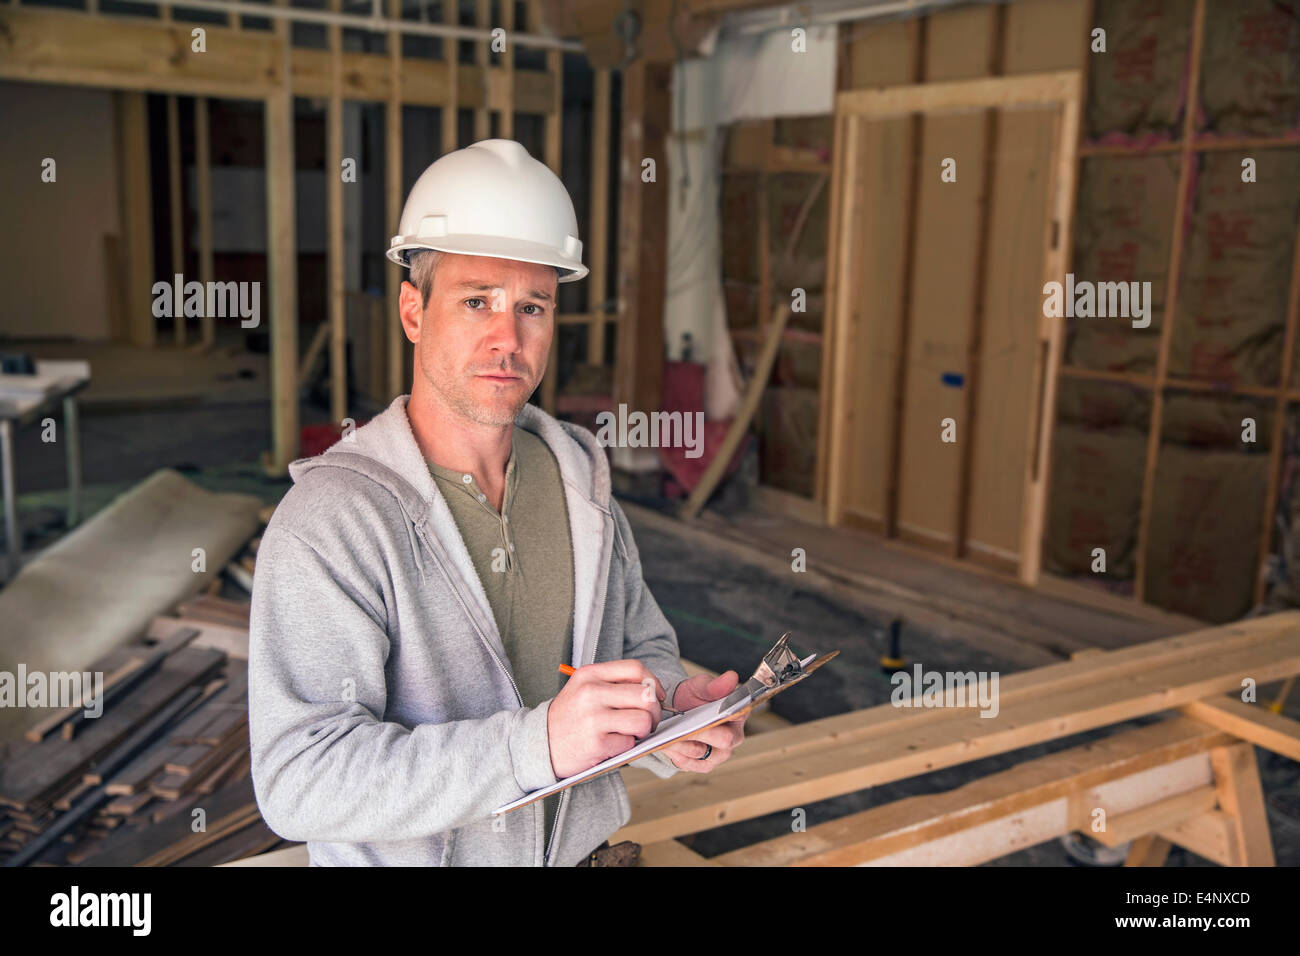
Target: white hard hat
[492,199]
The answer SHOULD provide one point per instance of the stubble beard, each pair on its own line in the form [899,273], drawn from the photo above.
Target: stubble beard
[455,392]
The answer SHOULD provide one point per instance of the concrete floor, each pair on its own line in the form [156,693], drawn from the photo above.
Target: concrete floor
[726,611]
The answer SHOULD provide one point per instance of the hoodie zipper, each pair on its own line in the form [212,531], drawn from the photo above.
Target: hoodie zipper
[519,698]
[591,652]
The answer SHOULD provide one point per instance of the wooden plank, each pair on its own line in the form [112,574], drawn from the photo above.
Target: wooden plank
[132,135]
[1115,762]
[1057,241]
[482,114]
[393,190]
[1003,92]
[1025,687]
[1209,835]
[64,46]
[1253,723]
[143,736]
[553,125]
[175,205]
[129,849]
[598,229]
[758,787]
[643,230]
[1241,797]
[1279,422]
[335,303]
[1186,176]
[450,56]
[282,271]
[203,190]
[47,764]
[671,853]
[54,721]
[1155,817]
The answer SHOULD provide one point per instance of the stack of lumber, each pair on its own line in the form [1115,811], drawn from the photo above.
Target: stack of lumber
[126,788]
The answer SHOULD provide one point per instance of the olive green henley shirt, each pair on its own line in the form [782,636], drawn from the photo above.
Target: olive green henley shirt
[524,557]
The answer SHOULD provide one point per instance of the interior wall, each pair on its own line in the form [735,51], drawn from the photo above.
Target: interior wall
[52,265]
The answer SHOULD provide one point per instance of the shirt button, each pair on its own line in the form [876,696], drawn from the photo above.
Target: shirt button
[467,478]
[482,497]
[506,518]
[512,545]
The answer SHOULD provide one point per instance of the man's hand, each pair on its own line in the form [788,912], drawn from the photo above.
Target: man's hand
[723,738]
[602,711]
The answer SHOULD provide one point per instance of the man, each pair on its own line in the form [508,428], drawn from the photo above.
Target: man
[420,584]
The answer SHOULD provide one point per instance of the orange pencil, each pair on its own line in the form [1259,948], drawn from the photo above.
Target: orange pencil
[566,670]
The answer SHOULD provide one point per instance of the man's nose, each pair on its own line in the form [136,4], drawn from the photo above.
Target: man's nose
[503,330]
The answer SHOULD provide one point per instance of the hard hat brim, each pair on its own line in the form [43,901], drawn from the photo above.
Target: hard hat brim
[493,247]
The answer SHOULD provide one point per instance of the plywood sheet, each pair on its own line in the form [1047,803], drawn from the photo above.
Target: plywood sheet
[948,228]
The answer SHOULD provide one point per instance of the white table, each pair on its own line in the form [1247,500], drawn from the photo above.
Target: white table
[23,399]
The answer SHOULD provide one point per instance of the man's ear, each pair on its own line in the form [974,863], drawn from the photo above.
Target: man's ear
[411,311]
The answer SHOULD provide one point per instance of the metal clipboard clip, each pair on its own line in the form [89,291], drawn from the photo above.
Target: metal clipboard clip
[779,668]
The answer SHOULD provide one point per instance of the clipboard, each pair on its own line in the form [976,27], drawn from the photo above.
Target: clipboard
[779,670]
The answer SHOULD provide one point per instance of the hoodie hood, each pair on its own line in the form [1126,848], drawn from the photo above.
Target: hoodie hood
[396,463]
[385,451]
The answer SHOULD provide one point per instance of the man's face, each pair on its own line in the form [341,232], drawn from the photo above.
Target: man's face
[483,339]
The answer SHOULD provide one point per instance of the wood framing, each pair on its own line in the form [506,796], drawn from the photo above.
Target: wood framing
[203,191]
[282,273]
[642,238]
[335,302]
[1181,202]
[1190,780]
[855,111]
[393,190]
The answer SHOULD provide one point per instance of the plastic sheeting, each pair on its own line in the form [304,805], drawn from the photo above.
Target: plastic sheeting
[748,77]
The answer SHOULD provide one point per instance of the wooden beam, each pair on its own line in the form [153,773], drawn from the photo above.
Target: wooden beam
[1242,798]
[1122,767]
[1127,827]
[175,206]
[1254,723]
[66,47]
[554,158]
[482,112]
[395,274]
[1181,202]
[598,231]
[137,214]
[506,127]
[1279,424]
[451,56]
[834,756]
[1000,92]
[335,300]
[1210,835]
[1058,240]
[282,272]
[643,236]
[1149,850]
[671,853]
[203,184]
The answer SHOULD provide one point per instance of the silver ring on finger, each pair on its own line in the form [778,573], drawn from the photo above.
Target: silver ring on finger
[708,752]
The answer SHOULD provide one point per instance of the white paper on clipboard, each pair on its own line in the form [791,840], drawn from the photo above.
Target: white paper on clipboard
[677,727]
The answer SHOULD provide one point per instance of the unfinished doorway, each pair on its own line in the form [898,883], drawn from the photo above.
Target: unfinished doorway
[951,206]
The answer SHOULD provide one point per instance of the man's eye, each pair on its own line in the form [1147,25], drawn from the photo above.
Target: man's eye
[470,302]
[534,305]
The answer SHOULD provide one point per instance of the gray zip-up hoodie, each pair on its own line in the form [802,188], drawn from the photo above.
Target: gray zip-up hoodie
[384,719]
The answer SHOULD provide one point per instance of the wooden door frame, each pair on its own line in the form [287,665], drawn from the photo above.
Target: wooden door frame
[1061,89]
